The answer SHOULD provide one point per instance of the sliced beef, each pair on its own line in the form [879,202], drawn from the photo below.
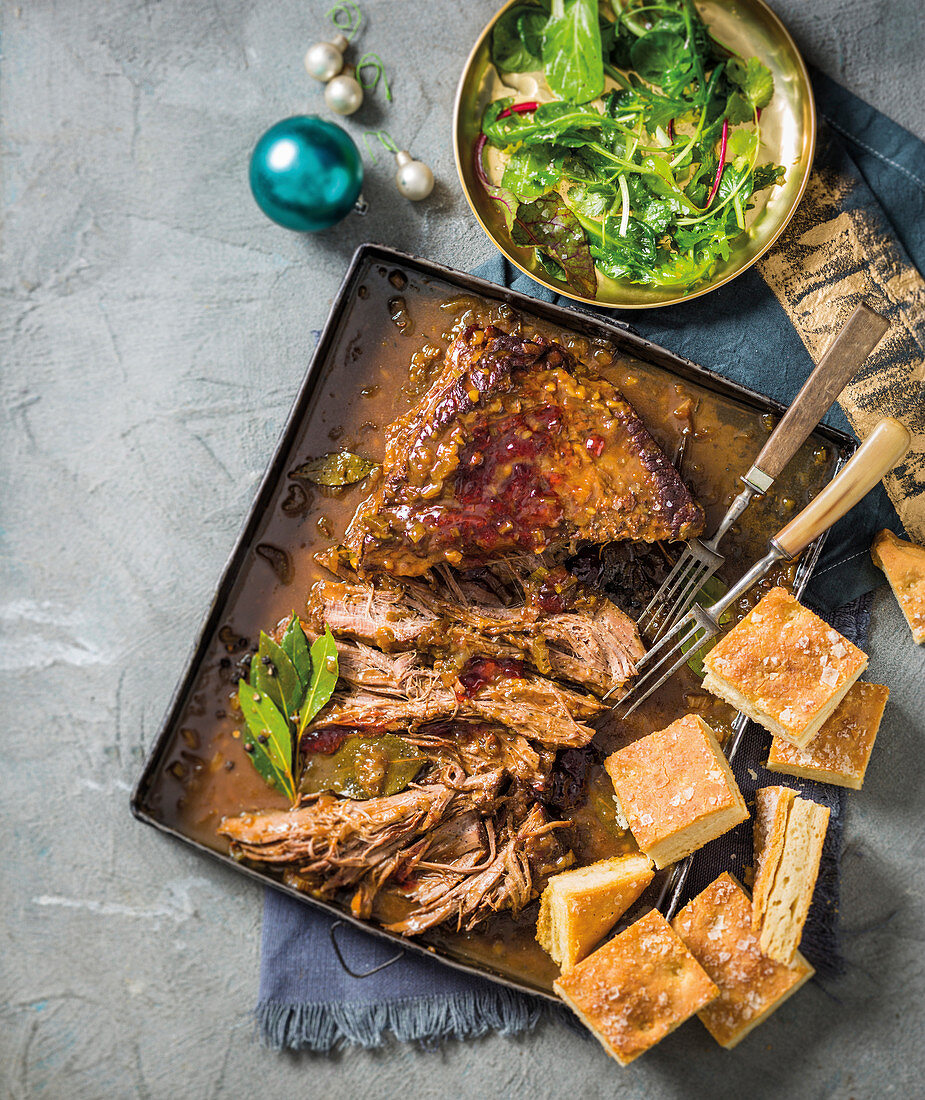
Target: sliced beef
[515,448]
[343,839]
[365,667]
[485,746]
[385,616]
[528,852]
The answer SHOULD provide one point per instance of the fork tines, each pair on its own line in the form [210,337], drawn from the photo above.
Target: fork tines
[679,589]
[659,663]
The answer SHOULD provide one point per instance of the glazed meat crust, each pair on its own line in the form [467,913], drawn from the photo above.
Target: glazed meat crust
[515,449]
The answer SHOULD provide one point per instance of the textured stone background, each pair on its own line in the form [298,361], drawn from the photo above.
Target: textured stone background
[154,328]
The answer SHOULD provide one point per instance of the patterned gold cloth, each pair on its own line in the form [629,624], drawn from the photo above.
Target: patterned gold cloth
[833,255]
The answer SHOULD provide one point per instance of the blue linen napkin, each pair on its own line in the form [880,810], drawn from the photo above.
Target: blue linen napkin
[307,999]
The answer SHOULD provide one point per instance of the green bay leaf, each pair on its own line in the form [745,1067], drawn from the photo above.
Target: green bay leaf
[363,767]
[335,470]
[324,678]
[275,675]
[295,645]
[269,737]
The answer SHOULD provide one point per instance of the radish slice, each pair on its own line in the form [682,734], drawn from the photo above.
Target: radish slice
[518,109]
[481,140]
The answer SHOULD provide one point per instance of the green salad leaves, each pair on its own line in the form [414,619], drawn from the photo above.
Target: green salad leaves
[572,50]
[287,687]
[649,181]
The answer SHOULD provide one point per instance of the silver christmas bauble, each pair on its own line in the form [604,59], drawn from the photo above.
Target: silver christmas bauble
[324,60]
[413,178]
[343,94]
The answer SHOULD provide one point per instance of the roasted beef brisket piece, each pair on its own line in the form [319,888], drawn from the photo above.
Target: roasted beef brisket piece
[586,640]
[515,448]
[530,705]
[456,846]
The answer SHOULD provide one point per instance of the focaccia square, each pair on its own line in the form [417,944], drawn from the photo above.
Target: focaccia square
[783,667]
[675,790]
[579,907]
[789,834]
[637,988]
[840,751]
[717,928]
[904,565]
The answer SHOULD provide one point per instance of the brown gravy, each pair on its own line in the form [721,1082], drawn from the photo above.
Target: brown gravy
[396,320]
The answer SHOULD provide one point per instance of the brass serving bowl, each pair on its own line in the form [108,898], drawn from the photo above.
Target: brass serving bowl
[788,137]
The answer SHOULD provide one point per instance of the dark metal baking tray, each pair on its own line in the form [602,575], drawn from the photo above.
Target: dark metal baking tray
[577,321]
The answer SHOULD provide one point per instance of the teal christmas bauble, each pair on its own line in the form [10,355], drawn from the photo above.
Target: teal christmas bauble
[306,173]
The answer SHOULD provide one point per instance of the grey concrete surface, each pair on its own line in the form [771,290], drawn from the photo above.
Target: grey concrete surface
[154,328]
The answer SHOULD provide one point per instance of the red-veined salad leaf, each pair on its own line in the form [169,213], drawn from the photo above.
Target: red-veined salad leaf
[548,225]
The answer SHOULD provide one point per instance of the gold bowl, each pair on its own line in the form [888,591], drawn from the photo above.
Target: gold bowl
[788,137]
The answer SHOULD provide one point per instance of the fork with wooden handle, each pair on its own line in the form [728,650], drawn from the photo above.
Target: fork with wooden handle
[873,460]
[861,333]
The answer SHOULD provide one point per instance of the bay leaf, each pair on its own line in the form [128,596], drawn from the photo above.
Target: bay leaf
[324,678]
[335,470]
[275,675]
[295,645]
[363,767]
[269,738]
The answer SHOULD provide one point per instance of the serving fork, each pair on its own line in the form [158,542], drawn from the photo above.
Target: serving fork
[861,333]
[873,460]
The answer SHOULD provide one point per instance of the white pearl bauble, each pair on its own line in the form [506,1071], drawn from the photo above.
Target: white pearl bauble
[343,94]
[413,178]
[324,60]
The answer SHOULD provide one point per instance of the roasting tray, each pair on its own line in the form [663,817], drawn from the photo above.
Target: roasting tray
[370,258]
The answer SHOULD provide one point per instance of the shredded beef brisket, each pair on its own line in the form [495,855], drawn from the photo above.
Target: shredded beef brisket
[455,846]
[590,642]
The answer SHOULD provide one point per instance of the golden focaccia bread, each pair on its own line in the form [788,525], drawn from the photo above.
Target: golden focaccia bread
[784,667]
[637,988]
[580,906]
[717,928]
[904,565]
[675,790]
[789,834]
[840,751]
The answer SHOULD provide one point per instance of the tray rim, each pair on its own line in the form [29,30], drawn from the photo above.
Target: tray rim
[572,317]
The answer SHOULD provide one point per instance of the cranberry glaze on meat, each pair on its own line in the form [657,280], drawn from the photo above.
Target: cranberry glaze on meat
[516,448]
